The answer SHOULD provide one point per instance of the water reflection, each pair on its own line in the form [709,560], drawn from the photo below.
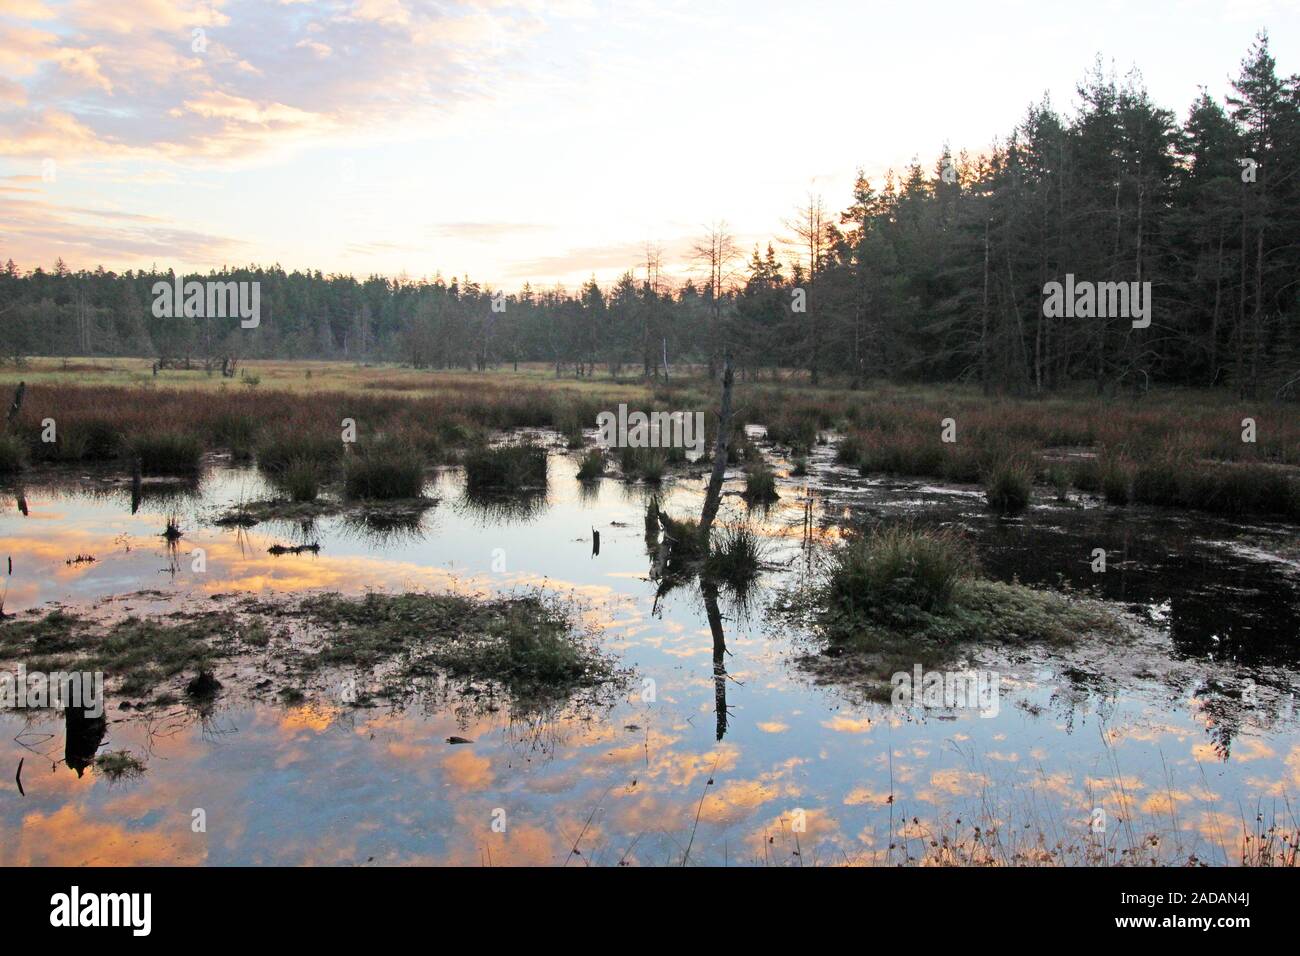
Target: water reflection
[1168,735]
[495,508]
[710,592]
[82,736]
[387,529]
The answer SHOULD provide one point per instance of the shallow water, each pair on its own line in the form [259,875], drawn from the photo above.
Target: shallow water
[1168,737]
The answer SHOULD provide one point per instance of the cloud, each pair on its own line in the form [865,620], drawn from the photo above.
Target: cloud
[44,232]
[623,255]
[234,79]
[483,231]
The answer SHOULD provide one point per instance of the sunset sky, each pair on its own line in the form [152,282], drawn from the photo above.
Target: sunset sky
[524,141]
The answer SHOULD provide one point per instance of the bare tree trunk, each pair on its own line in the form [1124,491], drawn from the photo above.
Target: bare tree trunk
[984,319]
[1214,320]
[17,405]
[1259,310]
[714,495]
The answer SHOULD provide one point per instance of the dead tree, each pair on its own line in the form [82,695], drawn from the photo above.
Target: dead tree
[17,405]
[714,495]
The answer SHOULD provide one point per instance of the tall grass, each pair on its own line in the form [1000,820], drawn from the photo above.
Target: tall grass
[893,429]
[1087,475]
[735,555]
[1009,486]
[506,467]
[798,430]
[301,479]
[648,464]
[760,484]
[896,569]
[281,447]
[1058,476]
[1116,481]
[236,433]
[1223,489]
[387,469]
[592,465]
[12,454]
[1159,481]
[167,453]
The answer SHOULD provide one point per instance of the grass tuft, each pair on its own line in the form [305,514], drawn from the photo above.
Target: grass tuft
[506,467]
[760,484]
[12,455]
[276,450]
[735,556]
[1009,487]
[301,479]
[895,571]
[168,453]
[592,466]
[386,470]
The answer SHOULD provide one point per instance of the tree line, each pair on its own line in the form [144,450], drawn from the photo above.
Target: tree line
[928,275]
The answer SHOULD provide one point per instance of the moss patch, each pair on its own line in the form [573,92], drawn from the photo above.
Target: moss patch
[527,644]
[138,653]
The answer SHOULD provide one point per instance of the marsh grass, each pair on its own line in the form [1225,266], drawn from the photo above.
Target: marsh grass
[894,571]
[506,467]
[963,463]
[573,436]
[647,464]
[90,439]
[301,479]
[236,433]
[278,449]
[530,644]
[889,429]
[13,455]
[386,470]
[760,484]
[1058,476]
[167,453]
[1229,489]
[1160,481]
[1116,481]
[1086,475]
[686,544]
[139,653]
[527,644]
[850,449]
[900,596]
[797,430]
[592,465]
[1009,486]
[735,556]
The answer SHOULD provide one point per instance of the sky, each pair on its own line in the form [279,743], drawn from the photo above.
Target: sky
[530,141]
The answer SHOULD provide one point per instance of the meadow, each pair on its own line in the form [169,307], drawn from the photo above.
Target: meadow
[1179,448]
